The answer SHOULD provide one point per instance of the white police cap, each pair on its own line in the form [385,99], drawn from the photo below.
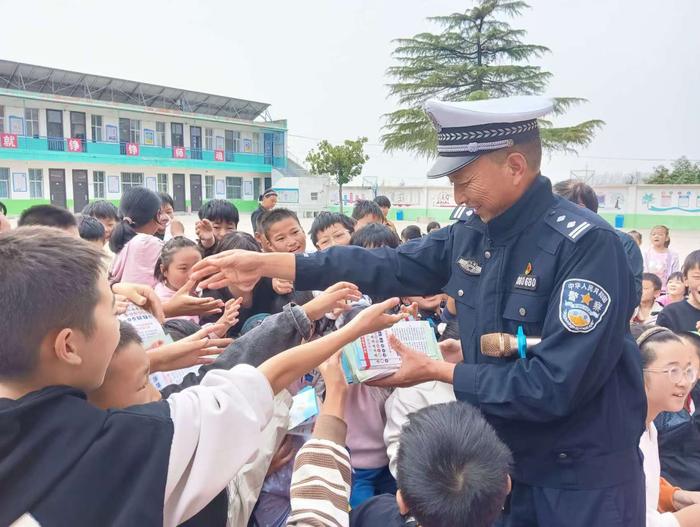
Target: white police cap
[468,129]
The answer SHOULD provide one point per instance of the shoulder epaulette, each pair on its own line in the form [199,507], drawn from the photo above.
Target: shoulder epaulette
[569,224]
[461,213]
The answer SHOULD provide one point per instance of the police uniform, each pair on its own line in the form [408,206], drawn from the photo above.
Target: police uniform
[572,410]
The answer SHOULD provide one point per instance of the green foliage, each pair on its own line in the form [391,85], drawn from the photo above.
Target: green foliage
[682,172]
[342,162]
[475,56]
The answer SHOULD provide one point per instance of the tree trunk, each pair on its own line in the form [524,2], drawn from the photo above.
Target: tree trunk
[340,197]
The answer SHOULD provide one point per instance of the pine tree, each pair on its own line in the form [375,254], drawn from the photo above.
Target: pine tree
[476,56]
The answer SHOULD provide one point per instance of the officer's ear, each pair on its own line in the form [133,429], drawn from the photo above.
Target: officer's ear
[516,167]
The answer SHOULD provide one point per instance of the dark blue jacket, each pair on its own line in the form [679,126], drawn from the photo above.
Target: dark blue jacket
[573,411]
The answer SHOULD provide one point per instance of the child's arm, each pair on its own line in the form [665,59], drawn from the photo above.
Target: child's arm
[284,368]
[321,479]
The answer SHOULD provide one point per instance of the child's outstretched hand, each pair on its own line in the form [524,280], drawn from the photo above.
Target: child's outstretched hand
[141,295]
[230,316]
[184,303]
[282,287]
[375,318]
[204,229]
[336,386]
[411,310]
[334,299]
[190,351]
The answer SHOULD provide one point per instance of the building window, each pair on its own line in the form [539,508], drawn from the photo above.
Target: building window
[31,119]
[314,196]
[208,139]
[160,133]
[233,188]
[4,181]
[232,142]
[98,184]
[135,131]
[208,187]
[163,183]
[131,179]
[36,183]
[2,122]
[96,121]
[256,142]
[177,134]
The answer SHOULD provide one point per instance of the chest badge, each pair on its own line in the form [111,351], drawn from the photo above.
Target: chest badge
[527,280]
[471,267]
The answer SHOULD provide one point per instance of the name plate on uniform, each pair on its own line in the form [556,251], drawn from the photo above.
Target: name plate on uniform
[471,267]
[526,281]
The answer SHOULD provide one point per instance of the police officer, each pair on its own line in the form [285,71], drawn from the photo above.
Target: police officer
[517,260]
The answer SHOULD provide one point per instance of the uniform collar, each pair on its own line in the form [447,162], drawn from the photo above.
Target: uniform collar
[536,200]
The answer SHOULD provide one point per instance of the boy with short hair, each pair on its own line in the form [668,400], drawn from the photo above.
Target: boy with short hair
[267,200]
[91,230]
[366,212]
[217,218]
[648,308]
[685,315]
[49,216]
[155,464]
[105,212]
[385,205]
[331,228]
[173,227]
[281,232]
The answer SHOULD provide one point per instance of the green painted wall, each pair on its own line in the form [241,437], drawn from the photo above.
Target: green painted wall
[689,222]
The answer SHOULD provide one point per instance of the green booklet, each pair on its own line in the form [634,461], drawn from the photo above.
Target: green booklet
[371,356]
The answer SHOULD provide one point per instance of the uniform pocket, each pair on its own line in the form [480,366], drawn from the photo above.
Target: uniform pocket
[524,308]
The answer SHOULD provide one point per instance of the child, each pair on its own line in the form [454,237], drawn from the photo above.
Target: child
[670,367]
[281,232]
[432,226]
[4,222]
[105,212]
[412,232]
[375,235]
[648,308]
[172,227]
[366,212]
[331,228]
[268,200]
[685,316]
[659,259]
[91,230]
[132,239]
[217,218]
[636,236]
[49,216]
[675,290]
[385,205]
[158,463]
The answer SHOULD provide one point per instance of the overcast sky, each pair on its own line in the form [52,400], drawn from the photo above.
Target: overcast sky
[321,64]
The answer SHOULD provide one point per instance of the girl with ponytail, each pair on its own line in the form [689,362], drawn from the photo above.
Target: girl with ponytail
[133,239]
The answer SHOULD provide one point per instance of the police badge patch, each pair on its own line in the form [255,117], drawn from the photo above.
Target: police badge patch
[582,305]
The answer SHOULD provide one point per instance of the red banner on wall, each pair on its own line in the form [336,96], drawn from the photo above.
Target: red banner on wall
[8,140]
[218,155]
[132,149]
[179,152]
[75,145]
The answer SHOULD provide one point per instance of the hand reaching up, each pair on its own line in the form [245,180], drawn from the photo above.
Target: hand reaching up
[375,318]
[334,299]
[204,230]
[190,351]
[230,316]
[184,303]
[141,295]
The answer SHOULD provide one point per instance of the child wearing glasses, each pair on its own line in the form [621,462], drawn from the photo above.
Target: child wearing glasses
[670,364]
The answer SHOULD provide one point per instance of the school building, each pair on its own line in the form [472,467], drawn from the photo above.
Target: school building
[68,138]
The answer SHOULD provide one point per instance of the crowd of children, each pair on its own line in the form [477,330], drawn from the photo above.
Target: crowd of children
[90,440]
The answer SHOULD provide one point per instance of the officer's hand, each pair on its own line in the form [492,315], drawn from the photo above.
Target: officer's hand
[238,267]
[415,368]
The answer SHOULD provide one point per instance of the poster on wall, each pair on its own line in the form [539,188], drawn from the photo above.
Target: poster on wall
[668,200]
[220,187]
[247,146]
[8,141]
[16,125]
[19,182]
[113,184]
[112,133]
[247,190]
[151,183]
[149,137]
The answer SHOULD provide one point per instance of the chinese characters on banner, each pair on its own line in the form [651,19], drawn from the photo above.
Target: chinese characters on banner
[218,155]
[8,141]
[132,149]
[75,145]
[179,152]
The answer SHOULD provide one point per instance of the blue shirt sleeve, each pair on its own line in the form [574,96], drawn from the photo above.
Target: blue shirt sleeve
[567,368]
[420,267]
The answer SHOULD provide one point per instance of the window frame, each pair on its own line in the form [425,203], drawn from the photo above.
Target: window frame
[230,185]
[34,122]
[96,137]
[35,183]
[98,187]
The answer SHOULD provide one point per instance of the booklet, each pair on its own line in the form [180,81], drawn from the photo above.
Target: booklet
[303,412]
[371,356]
